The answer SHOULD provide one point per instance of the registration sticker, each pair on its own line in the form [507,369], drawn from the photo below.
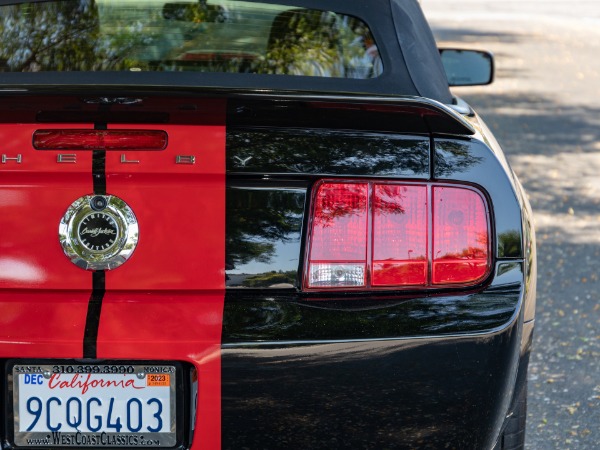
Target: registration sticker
[158,380]
[64,405]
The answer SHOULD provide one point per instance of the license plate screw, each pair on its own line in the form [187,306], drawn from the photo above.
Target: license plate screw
[141,375]
[47,374]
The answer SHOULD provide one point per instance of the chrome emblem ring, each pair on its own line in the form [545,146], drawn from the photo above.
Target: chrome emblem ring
[98,232]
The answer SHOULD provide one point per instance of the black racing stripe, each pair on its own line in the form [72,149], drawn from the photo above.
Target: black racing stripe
[92,321]
[99,172]
[99,166]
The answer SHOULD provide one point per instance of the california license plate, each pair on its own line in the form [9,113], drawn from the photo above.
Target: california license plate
[94,405]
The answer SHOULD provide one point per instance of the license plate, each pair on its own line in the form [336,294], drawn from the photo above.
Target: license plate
[121,405]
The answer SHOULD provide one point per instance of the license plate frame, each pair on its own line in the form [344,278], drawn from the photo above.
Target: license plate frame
[170,436]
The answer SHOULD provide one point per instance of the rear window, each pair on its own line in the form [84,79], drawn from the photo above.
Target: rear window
[202,36]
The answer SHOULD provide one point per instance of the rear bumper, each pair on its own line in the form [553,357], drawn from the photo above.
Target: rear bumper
[411,393]
[445,380]
[347,373]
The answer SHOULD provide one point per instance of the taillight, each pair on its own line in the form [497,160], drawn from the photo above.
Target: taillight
[400,218]
[460,236]
[379,235]
[339,238]
[100,140]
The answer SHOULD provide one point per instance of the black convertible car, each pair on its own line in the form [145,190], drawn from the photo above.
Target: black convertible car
[254,225]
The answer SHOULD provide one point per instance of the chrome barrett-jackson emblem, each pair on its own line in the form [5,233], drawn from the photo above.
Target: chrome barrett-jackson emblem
[98,232]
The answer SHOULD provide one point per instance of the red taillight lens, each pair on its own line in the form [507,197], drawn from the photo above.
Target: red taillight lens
[460,236]
[399,235]
[100,140]
[391,235]
[339,238]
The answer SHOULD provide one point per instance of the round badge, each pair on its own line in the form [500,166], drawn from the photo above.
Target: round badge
[98,232]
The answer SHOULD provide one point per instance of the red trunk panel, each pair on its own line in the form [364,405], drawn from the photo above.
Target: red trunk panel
[43,297]
[166,302]
[42,324]
[34,195]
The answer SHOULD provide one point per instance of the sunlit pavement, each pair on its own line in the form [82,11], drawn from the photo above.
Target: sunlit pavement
[545,110]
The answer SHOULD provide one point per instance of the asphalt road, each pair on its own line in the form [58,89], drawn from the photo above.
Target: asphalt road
[545,110]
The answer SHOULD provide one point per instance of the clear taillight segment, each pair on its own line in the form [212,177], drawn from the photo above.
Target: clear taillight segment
[391,235]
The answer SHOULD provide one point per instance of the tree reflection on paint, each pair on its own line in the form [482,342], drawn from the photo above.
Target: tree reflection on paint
[256,220]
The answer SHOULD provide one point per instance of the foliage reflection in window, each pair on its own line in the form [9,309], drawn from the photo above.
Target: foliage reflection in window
[150,35]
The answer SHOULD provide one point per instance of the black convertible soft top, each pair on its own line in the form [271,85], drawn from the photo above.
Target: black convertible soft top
[411,62]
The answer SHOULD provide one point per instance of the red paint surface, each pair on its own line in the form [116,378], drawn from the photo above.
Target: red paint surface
[34,196]
[42,324]
[166,302]
[43,296]
[180,211]
[183,326]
